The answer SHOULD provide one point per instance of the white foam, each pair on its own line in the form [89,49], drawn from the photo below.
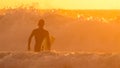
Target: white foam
[58,60]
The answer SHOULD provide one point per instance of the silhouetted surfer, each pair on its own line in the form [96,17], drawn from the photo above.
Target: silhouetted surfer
[41,35]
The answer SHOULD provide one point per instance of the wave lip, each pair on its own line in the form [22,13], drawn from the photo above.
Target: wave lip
[58,60]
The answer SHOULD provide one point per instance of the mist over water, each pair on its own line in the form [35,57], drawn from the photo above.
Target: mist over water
[88,34]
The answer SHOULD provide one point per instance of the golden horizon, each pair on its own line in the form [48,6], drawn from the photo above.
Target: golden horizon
[62,4]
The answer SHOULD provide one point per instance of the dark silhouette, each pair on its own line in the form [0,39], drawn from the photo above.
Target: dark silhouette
[40,34]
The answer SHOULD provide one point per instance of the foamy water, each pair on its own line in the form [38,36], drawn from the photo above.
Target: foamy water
[58,60]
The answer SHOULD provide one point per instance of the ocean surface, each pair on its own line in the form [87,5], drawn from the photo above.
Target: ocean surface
[58,60]
[83,38]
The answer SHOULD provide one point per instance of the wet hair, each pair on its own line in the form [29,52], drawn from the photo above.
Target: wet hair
[41,22]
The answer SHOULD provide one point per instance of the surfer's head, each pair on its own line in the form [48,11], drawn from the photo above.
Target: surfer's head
[41,23]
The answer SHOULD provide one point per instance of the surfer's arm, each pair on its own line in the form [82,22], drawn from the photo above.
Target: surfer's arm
[29,41]
[48,42]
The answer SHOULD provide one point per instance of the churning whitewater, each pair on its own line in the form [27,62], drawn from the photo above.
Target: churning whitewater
[79,32]
[58,60]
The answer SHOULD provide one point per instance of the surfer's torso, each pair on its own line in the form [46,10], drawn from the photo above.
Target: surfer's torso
[40,35]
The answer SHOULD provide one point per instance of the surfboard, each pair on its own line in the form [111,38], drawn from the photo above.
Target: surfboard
[45,46]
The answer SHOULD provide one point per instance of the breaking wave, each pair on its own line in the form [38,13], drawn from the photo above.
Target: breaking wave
[80,32]
[58,60]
